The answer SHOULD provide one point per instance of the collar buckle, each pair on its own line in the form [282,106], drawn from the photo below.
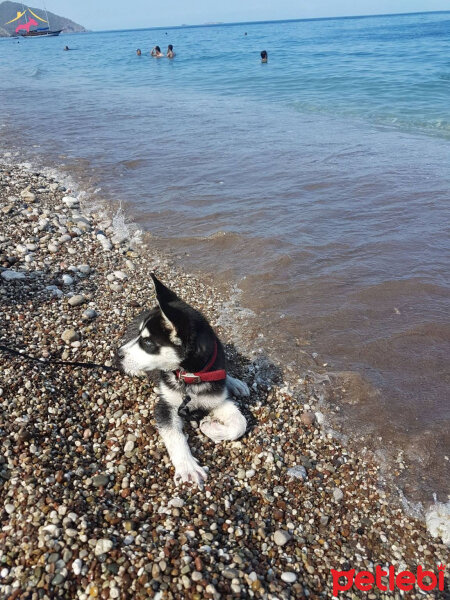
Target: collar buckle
[190,377]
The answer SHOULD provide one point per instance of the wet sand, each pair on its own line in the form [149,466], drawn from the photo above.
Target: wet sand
[88,503]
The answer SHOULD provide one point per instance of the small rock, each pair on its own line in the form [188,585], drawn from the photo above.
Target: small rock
[281,537]
[70,201]
[89,314]
[308,418]
[288,577]
[77,300]
[9,508]
[155,571]
[12,275]
[100,480]
[298,472]
[338,494]
[230,573]
[54,290]
[103,546]
[57,579]
[70,335]
[120,275]
[28,196]
[129,446]
[84,269]
[176,502]
[53,558]
[67,280]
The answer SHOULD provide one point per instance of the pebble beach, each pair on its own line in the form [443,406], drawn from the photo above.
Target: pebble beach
[88,504]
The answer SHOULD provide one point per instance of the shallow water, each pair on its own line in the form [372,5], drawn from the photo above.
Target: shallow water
[317,183]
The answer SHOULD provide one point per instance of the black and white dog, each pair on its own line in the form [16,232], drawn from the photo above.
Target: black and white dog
[178,341]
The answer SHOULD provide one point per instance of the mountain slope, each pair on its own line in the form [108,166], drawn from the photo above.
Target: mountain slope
[8,10]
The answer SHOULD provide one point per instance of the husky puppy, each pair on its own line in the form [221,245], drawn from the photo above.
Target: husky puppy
[176,340]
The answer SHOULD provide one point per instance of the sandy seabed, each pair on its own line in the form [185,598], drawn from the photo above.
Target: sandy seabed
[87,499]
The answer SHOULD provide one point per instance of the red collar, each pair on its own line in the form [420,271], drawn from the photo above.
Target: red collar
[205,374]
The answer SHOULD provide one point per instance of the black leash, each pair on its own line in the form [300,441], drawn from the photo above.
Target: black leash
[55,362]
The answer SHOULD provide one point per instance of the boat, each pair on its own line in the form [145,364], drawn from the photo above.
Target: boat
[24,29]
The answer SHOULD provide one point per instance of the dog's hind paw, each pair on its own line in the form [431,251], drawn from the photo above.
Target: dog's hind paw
[216,431]
[189,471]
[237,387]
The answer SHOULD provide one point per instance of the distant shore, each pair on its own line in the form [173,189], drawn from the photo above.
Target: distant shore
[89,508]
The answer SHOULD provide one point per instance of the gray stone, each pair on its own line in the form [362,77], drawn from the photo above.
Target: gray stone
[70,335]
[89,314]
[129,447]
[100,480]
[58,579]
[12,275]
[116,287]
[77,300]
[103,546]
[338,494]
[67,280]
[70,201]
[230,573]
[176,502]
[120,275]
[281,537]
[288,577]
[84,269]
[298,472]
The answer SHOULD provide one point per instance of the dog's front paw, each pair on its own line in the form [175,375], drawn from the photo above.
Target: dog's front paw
[237,387]
[189,471]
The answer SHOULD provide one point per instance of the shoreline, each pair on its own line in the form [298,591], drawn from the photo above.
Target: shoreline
[87,492]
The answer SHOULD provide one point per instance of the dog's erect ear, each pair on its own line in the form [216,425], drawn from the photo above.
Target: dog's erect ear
[172,311]
[163,294]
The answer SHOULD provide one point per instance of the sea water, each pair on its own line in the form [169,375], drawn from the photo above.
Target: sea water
[317,184]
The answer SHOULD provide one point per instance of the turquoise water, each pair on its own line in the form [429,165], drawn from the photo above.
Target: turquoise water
[317,184]
[390,70]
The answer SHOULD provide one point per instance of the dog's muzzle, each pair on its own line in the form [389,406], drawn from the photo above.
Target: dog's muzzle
[119,355]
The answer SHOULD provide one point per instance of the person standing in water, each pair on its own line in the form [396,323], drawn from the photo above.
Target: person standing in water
[170,52]
[264,56]
[156,52]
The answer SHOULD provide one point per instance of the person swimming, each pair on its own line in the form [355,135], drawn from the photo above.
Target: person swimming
[66,48]
[170,52]
[156,52]
[138,52]
[264,56]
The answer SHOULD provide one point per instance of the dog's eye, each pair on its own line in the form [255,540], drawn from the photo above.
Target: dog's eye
[147,344]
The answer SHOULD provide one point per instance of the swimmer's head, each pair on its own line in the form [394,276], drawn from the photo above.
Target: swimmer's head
[170,47]
[138,52]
